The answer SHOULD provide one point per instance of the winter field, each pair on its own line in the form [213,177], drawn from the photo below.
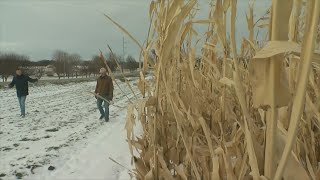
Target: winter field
[63,80]
[61,136]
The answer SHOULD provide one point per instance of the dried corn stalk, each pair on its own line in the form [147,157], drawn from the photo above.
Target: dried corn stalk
[214,117]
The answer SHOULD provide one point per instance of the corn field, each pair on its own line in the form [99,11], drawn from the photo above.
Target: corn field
[228,111]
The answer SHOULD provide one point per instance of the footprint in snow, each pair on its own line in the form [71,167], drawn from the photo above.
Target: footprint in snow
[52,148]
[6,149]
[31,139]
[52,130]
[20,175]
[51,168]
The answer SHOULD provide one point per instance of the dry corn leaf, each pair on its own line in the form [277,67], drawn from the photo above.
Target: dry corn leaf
[228,165]
[207,21]
[130,123]
[259,74]
[181,171]
[191,66]
[307,53]
[209,47]
[174,10]
[250,22]
[204,167]
[218,19]
[226,81]
[166,171]
[152,8]
[253,46]
[194,167]
[174,27]
[264,18]
[207,133]
[318,173]
[186,28]
[149,176]
[294,170]
[215,173]
[252,156]
[141,168]
[263,26]
[294,20]
[273,48]
[226,5]
[244,167]
[310,169]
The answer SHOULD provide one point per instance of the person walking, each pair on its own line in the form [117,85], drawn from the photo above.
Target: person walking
[22,87]
[104,94]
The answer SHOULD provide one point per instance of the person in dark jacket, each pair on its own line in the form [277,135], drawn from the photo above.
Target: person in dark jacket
[104,89]
[22,87]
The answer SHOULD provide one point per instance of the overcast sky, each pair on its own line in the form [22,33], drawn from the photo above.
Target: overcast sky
[39,27]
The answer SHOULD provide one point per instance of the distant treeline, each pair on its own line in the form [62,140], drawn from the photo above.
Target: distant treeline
[62,64]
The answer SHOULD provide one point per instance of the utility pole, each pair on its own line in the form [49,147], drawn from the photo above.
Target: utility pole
[123,48]
[0,32]
[2,36]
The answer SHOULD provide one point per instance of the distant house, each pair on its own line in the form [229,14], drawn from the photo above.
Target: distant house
[40,70]
[33,70]
[49,70]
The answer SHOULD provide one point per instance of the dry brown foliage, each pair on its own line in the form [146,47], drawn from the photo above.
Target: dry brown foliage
[253,114]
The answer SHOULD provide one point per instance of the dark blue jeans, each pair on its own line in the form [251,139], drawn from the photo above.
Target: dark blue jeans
[105,112]
[22,103]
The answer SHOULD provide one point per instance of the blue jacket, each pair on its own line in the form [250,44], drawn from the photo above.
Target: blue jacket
[21,83]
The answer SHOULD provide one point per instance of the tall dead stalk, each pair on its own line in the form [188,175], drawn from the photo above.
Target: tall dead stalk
[209,114]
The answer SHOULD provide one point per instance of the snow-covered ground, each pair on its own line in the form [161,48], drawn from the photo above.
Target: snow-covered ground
[62,130]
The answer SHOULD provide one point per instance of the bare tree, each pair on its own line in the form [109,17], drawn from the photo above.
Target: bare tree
[131,63]
[84,68]
[60,60]
[75,62]
[9,62]
[72,65]
[112,61]
[95,65]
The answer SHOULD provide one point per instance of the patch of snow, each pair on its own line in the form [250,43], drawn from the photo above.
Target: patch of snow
[62,129]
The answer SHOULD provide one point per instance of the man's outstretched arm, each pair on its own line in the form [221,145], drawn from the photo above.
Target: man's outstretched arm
[32,80]
[13,82]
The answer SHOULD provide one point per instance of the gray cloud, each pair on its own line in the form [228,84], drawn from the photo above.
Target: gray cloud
[78,26]
[38,27]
